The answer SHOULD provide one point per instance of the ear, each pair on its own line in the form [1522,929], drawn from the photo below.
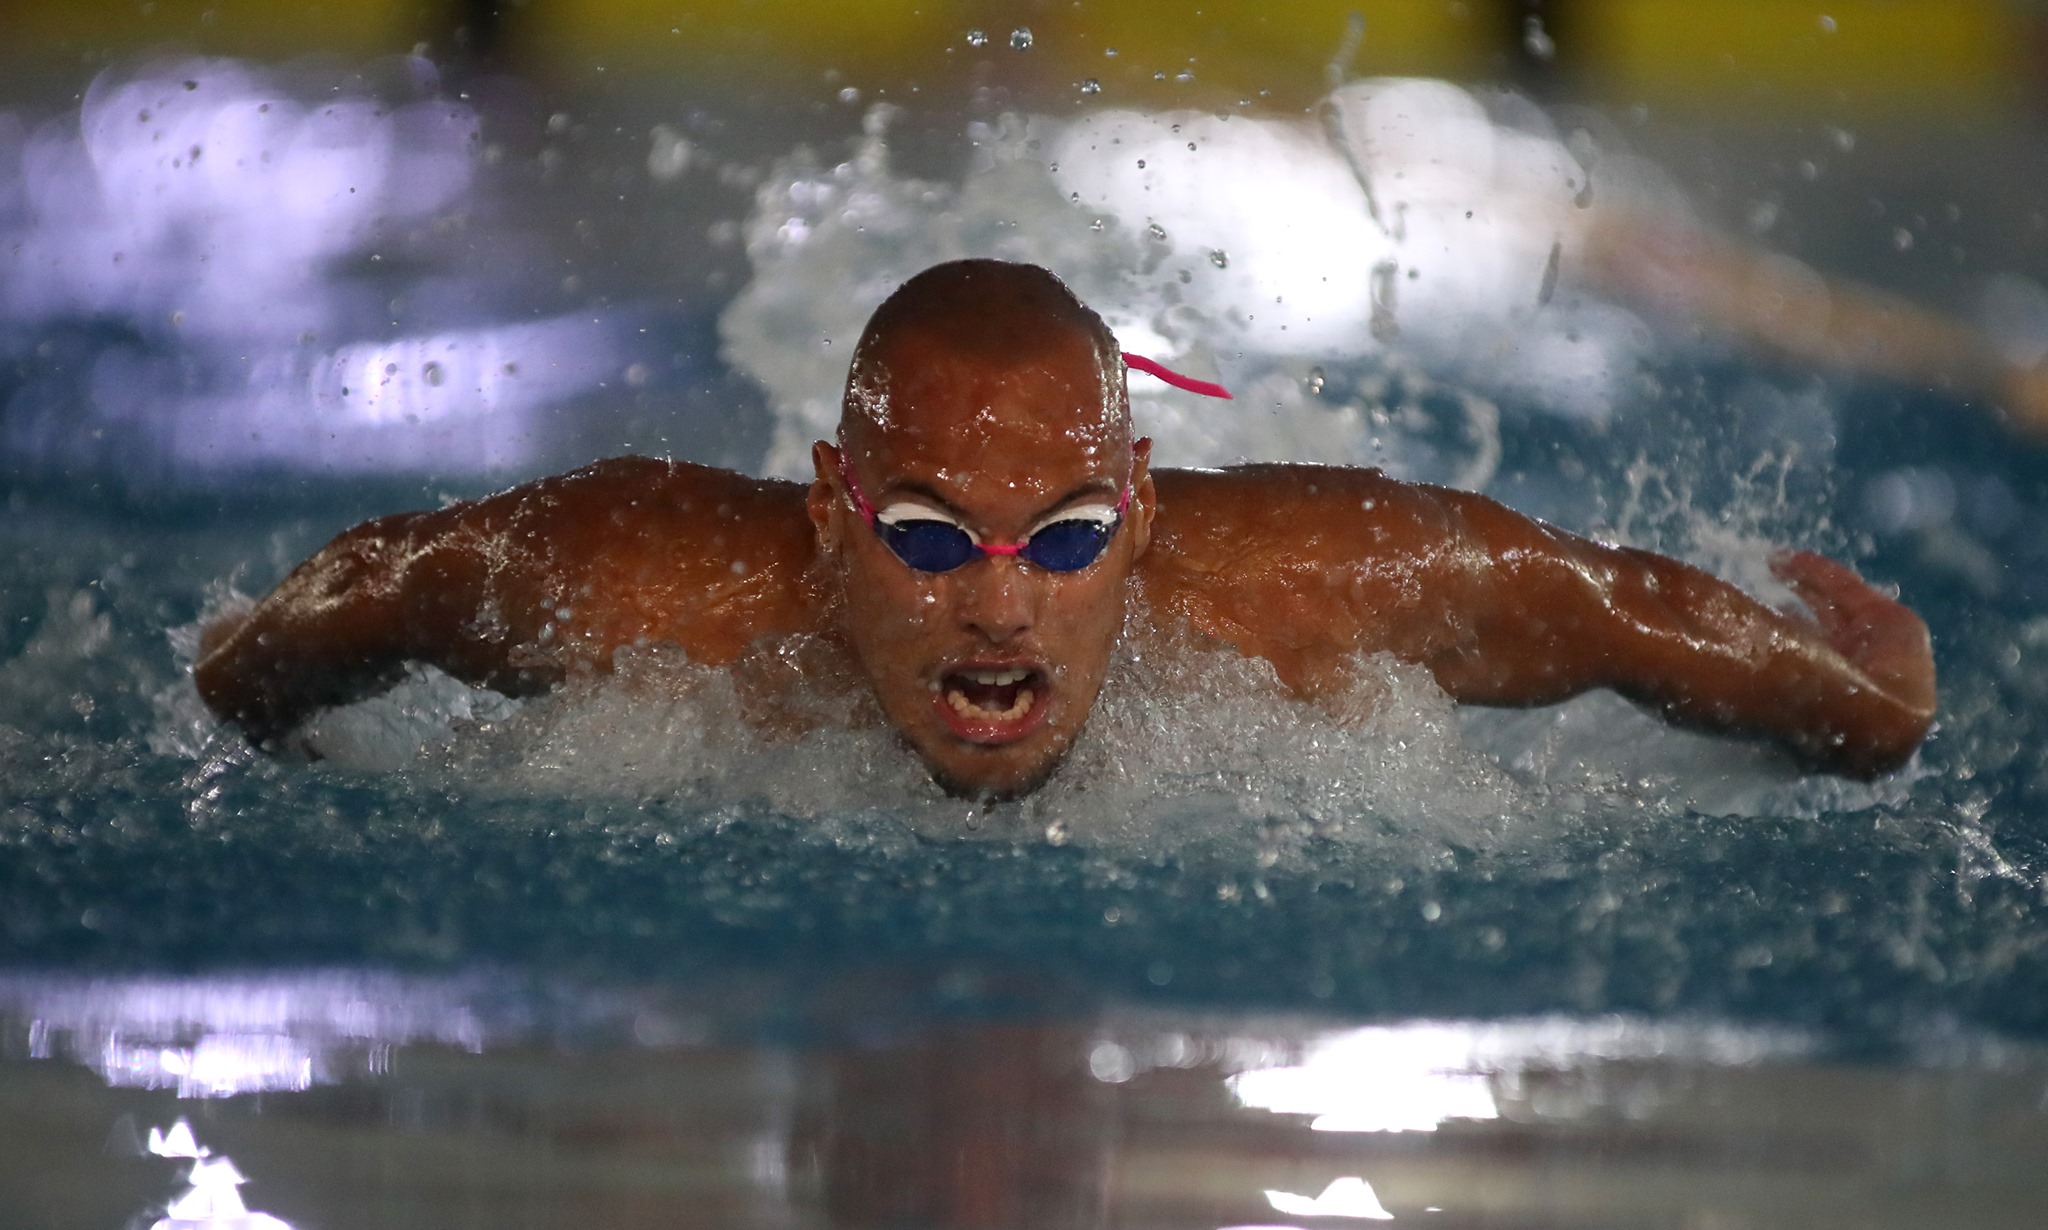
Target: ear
[1144,498]
[824,501]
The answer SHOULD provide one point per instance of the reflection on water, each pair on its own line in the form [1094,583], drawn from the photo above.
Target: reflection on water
[574,1111]
[221,1037]
[210,1201]
[1348,1196]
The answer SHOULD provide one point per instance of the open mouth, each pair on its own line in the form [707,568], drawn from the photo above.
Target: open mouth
[992,704]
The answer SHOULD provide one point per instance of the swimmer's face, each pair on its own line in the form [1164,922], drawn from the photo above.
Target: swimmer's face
[989,670]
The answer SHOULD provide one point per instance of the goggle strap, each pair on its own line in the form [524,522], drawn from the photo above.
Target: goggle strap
[1152,367]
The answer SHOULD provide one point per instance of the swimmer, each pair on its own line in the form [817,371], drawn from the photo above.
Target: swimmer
[986,527]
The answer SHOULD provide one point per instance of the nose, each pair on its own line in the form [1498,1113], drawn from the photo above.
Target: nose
[997,599]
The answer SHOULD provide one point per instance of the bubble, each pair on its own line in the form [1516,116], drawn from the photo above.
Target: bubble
[1219,258]
[1020,39]
[977,38]
[1091,86]
[433,374]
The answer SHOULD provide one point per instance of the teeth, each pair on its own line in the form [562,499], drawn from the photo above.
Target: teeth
[967,708]
[997,679]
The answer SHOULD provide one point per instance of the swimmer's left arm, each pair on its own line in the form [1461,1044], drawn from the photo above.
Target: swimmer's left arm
[1546,615]
[1308,567]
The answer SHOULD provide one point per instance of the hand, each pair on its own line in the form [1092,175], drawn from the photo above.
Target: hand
[1883,640]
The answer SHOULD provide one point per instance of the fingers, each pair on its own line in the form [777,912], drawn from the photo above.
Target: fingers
[1878,635]
[1838,597]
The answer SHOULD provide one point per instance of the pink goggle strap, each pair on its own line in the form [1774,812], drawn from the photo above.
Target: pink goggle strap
[1174,378]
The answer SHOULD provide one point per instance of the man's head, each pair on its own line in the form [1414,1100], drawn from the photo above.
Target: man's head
[985,395]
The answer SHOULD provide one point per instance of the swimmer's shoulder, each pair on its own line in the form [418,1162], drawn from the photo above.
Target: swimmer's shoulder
[645,549]
[632,494]
[1280,494]
[1272,519]
[635,481]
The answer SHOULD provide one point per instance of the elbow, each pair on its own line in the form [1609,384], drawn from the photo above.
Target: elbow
[225,681]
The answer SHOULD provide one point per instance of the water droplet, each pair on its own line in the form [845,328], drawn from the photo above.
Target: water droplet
[1191,145]
[1020,38]
[1091,86]
[1141,164]
[433,374]
[1827,25]
[1110,52]
[1075,197]
[1315,381]
[1155,230]
[1184,76]
[1219,258]
[977,38]
[1536,40]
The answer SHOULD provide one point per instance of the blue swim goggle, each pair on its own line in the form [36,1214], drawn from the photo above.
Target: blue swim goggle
[931,541]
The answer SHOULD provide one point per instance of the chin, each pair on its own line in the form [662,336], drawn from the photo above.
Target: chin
[994,780]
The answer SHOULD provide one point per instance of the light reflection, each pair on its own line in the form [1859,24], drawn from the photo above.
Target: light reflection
[1418,1077]
[218,1037]
[206,272]
[217,1066]
[1405,1079]
[210,1201]
[1349,1196]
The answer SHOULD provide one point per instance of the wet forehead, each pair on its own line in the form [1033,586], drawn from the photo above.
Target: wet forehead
[1048,413]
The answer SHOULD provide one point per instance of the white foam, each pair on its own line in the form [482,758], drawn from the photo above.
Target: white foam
[1410,232]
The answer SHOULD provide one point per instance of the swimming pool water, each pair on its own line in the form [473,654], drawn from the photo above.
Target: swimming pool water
[492,963]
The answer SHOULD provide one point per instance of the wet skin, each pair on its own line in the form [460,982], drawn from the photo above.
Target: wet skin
[981,396]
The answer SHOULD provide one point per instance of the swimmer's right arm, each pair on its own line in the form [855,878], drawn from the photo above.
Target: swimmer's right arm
[519,590]
[343,625]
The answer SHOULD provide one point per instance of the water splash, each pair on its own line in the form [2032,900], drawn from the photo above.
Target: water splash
[1410,231]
